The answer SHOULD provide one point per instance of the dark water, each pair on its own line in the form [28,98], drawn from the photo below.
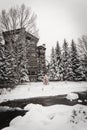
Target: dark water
[7,116]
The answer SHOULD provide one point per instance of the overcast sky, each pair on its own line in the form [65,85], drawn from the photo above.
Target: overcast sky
[56,19]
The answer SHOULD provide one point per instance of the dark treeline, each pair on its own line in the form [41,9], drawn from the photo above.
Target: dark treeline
[69,62]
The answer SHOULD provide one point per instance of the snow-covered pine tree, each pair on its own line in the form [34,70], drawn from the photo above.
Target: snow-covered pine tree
[8,69]
[2,65]
[15,60]
[84,65]
[57,51]
[52,68]
[58,61]
[77,70]
[65,62]
[19,51]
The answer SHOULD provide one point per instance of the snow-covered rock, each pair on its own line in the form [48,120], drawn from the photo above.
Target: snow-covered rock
[79,100]
[72,96]
[6,108]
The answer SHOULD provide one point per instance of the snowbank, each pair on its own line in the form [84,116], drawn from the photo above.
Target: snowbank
[38,89]
[54,117]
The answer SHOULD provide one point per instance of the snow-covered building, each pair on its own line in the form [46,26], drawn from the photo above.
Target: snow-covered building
[33,55]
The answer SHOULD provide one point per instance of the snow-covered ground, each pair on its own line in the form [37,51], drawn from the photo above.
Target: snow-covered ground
[38,89]
[56,117]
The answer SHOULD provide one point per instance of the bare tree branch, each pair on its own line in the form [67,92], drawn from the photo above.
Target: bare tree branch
[18,17]
[4,20]
[13,16]
[83,45]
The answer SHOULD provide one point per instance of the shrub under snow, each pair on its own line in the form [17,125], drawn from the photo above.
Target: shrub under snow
[79,115]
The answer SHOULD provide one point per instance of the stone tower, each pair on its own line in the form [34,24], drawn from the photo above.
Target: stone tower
[34,56]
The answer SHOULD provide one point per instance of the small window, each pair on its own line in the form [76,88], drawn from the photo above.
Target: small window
[28,38]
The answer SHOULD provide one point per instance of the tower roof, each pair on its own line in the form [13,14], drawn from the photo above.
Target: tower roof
[17,31]
[42,47]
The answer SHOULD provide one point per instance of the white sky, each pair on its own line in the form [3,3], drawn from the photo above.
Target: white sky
[56,19]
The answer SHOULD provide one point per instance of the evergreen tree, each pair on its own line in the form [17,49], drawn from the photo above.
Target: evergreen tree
[9,67]
[52,73]
[84,65]
[65,61]
[6,67]
[58,61]
[19,52]
[2,65]
[14,51]
[57,51]
[77,70]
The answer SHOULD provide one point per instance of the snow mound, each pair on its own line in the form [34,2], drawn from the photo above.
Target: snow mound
[72,96]
[79,100]
[16,121]
[79,115]
[56,117]
[36,114]
[32,106]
